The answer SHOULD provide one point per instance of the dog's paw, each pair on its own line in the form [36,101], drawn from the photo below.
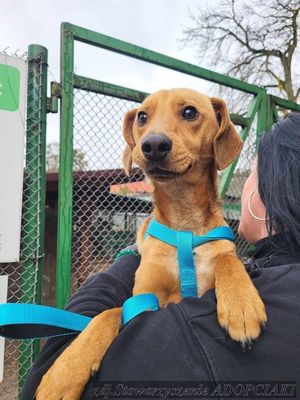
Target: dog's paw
[241,312]
[69,374]
[67,378]
[63,381]
[58,393]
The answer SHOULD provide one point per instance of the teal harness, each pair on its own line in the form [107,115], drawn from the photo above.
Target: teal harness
[35,321]
[185,242]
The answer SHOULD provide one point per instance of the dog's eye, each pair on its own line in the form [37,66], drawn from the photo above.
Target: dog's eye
[189,113]
[142,118]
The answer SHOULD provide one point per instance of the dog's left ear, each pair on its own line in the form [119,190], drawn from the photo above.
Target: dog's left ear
[128,136]
[127,160]
[227,143]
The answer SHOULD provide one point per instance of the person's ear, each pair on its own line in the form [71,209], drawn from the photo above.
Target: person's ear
[128,136]
[227,143]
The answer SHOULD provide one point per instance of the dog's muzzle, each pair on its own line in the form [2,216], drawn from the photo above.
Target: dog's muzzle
[156,147]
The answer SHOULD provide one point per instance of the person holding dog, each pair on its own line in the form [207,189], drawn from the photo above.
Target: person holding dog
[184,342]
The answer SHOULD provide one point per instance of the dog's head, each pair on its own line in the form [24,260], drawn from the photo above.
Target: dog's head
[174,133]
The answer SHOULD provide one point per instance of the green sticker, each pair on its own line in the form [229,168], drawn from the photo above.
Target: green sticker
[9,88]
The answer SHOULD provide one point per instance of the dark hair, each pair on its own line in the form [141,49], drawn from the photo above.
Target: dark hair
[278,168]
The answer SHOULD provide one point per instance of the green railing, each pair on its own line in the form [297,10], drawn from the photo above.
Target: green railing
[263,108]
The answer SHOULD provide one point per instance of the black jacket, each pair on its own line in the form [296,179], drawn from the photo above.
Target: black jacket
[184,342]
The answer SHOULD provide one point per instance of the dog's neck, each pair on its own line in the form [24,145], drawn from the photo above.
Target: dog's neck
[183,205]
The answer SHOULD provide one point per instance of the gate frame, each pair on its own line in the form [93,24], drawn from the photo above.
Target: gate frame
[262,105]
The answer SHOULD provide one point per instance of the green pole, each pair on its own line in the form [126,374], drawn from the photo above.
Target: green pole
[228,173]
[270,112]
[275,113]
[285,104]
[262,117]
[65,185]
[33,220]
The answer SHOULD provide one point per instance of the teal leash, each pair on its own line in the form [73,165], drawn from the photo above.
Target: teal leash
[24,321]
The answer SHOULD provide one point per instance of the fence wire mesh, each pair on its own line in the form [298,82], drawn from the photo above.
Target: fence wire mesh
[106,208]
[232,199]
[23,276]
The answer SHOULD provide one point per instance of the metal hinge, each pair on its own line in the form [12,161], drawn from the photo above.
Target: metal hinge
[52,101]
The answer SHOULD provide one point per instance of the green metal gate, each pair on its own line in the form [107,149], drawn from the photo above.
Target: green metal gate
[99,208]
[85,213]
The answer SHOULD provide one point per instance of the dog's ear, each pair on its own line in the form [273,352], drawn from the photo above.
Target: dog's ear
[227,143]
[128,136]
[127,160]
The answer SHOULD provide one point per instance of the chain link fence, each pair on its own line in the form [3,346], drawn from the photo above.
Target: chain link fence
[232,199]
[24,276]
[107,210]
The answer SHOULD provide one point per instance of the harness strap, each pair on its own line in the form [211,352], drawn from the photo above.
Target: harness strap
[137,304]
[187,271]
[185,242]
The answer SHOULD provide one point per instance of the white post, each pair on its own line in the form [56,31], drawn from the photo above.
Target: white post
[3,299]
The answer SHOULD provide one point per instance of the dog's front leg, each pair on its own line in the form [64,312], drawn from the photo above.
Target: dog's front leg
[240,309]
[69,374]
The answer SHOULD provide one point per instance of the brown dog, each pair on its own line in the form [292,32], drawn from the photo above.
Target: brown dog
[180,138]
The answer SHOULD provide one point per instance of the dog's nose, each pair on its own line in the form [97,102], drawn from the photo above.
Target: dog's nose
[156,147]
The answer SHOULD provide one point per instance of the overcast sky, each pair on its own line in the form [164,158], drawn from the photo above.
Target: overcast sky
[153,24]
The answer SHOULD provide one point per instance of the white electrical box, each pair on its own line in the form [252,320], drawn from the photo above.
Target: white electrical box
[13,89]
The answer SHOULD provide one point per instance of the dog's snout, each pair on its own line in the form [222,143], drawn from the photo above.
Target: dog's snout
[156,147]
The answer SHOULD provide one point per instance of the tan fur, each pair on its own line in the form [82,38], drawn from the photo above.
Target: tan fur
[187,202]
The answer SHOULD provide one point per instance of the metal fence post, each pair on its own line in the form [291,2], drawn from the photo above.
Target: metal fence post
[262,117]
[65,185]
[228,173]
[33,220]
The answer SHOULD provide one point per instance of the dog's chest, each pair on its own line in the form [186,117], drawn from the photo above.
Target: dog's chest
[204,267]
[205,272]
[158,256]
[167,261]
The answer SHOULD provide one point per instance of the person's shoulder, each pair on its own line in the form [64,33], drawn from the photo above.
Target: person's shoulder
[276,271]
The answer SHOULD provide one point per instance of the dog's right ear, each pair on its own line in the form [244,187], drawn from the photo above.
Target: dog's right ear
[128,136]
[227,143]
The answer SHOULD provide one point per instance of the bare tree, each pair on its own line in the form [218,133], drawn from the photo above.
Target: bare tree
[52,158]
[254,41]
